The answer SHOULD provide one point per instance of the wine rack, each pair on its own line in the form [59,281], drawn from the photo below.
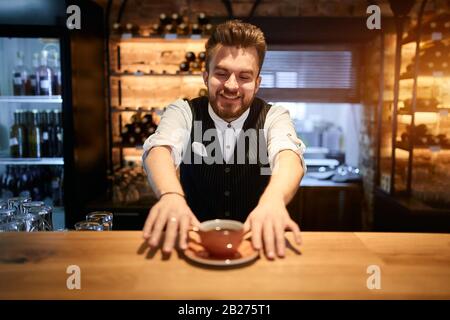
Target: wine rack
[418,142]
[148,70]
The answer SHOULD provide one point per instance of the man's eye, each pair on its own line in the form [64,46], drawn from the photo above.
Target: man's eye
[245,77]
[221,74]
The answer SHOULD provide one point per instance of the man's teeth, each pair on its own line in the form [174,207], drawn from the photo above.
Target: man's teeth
[230,97]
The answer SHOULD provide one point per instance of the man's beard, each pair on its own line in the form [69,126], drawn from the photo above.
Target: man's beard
[229,111]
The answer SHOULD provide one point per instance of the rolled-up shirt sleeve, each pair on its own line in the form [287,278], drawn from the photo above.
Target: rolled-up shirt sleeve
[281,135]
[173,131]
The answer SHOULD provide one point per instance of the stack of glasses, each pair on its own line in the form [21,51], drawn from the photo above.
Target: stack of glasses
[96,221]
[23,214]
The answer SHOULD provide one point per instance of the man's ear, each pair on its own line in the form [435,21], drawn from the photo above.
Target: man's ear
[258,82]
[205,78]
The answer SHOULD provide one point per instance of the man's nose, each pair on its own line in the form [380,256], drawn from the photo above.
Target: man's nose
[231,83]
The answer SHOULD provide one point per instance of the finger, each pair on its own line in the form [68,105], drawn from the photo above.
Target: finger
[256,227]
[152,214]
[193,219]
[279,238]
[296,231]
[157,228]
[182,235]
[247,225]
[269,241]
[171,234]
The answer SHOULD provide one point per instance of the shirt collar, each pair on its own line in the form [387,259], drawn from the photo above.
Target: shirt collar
[222,124]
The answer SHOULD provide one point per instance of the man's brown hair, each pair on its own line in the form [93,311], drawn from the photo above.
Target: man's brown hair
[235,33]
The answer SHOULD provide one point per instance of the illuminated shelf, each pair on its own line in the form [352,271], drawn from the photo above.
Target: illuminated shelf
[158,39]
[31,99]
[435,148]
[436,74]
[145,74]
[134,110]
[121,146]
[437,110]
[427,37]
[32,161]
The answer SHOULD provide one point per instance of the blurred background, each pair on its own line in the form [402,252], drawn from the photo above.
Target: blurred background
[370,105]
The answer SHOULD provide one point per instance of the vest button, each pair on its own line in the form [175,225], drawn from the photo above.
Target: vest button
[227,170]
[226,193]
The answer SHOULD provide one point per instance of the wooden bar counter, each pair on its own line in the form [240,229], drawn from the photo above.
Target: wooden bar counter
[329,265]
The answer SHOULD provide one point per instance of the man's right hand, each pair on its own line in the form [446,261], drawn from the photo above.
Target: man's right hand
[172,212]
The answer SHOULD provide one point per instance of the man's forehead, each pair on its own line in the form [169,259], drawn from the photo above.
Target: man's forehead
[234,54]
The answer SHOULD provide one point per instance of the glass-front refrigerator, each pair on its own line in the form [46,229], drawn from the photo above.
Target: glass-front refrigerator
[32,133]
[52,106]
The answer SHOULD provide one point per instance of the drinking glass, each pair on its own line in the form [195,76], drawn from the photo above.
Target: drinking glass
[88,226]
[45,215]
[3,204]
[105,218]
[13,226]
[30,220]
[16,203]
[6,215]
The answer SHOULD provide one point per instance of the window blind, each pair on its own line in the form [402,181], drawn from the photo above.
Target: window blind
[312,74]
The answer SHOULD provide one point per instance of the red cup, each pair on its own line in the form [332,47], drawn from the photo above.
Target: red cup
[221,238]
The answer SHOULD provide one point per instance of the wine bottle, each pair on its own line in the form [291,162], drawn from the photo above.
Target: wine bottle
[157,29]
[20,76]
[184,66]
[56,76]
[17,137]
[45,76]
[182,29]
[201,56]
[169,29]
[190,56]
[208,28]
[59,130]
[43,122]
[201,18]
[132,29]
[51,129]
[35,137]
[34,76]
[163,19]
[117,28]
[195,29]
[176,19]
[194,66]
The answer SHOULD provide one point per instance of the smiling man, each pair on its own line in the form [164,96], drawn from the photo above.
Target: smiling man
[235,185]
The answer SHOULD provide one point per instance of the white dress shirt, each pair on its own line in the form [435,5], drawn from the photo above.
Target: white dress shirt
[174,130]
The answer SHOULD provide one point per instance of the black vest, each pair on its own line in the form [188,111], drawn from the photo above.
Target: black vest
[218,190]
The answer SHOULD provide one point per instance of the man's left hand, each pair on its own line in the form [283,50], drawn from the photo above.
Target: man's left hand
[268,221]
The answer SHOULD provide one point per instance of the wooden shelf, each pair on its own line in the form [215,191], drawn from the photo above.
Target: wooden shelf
[436,74]
[435,148]
[144,74]
[159,39]
[32,161]
[427,37]
[134,110]
[31,99]
[122,146]
[437,110]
